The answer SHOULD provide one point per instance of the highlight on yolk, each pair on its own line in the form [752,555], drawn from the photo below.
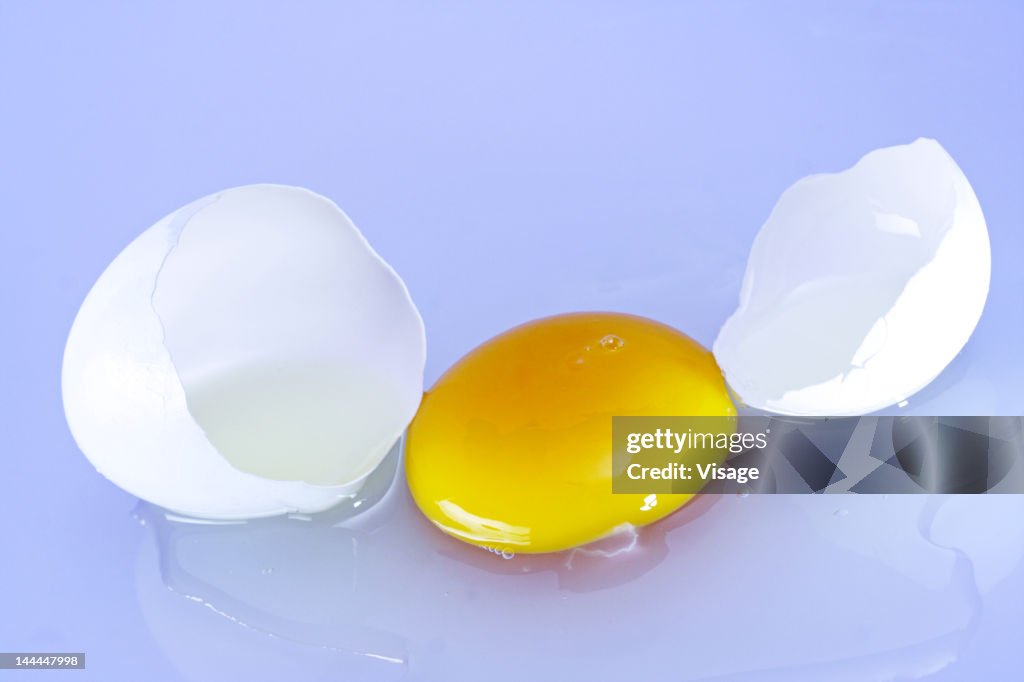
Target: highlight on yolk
[512,448]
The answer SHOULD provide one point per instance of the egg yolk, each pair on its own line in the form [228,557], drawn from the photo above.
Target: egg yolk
[512,448]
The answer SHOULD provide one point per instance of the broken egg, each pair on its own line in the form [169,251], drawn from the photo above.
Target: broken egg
[861,287]
[512,447]
[249,355]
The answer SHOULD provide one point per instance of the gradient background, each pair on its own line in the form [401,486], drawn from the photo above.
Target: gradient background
[510,160]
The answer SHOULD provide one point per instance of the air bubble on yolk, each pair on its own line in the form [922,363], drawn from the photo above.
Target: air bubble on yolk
[511,448]
[611,343]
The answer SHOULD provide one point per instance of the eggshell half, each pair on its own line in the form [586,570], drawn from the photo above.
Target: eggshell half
[247,356]
[861,287]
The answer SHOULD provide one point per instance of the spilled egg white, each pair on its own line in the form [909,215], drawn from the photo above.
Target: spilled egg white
[249,355]
[861,287]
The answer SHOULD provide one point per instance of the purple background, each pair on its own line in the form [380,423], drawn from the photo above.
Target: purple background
[510,160]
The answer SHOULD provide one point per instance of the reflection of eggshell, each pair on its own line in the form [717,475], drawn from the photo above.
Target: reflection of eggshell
[861,287]
[246,356]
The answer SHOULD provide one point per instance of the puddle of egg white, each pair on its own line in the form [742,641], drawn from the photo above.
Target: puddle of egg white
[752,587]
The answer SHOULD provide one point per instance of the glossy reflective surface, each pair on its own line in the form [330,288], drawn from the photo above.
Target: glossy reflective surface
[381,594]
[512,447]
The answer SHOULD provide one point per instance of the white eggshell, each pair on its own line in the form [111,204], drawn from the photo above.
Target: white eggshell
[249,355]
[861,287]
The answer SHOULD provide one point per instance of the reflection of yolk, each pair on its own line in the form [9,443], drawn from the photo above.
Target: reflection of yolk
[511,448]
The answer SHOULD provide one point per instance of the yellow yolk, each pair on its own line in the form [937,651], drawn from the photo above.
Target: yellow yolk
[512,448]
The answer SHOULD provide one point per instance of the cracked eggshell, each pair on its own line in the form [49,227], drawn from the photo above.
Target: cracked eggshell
[247,356]
[861,287]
